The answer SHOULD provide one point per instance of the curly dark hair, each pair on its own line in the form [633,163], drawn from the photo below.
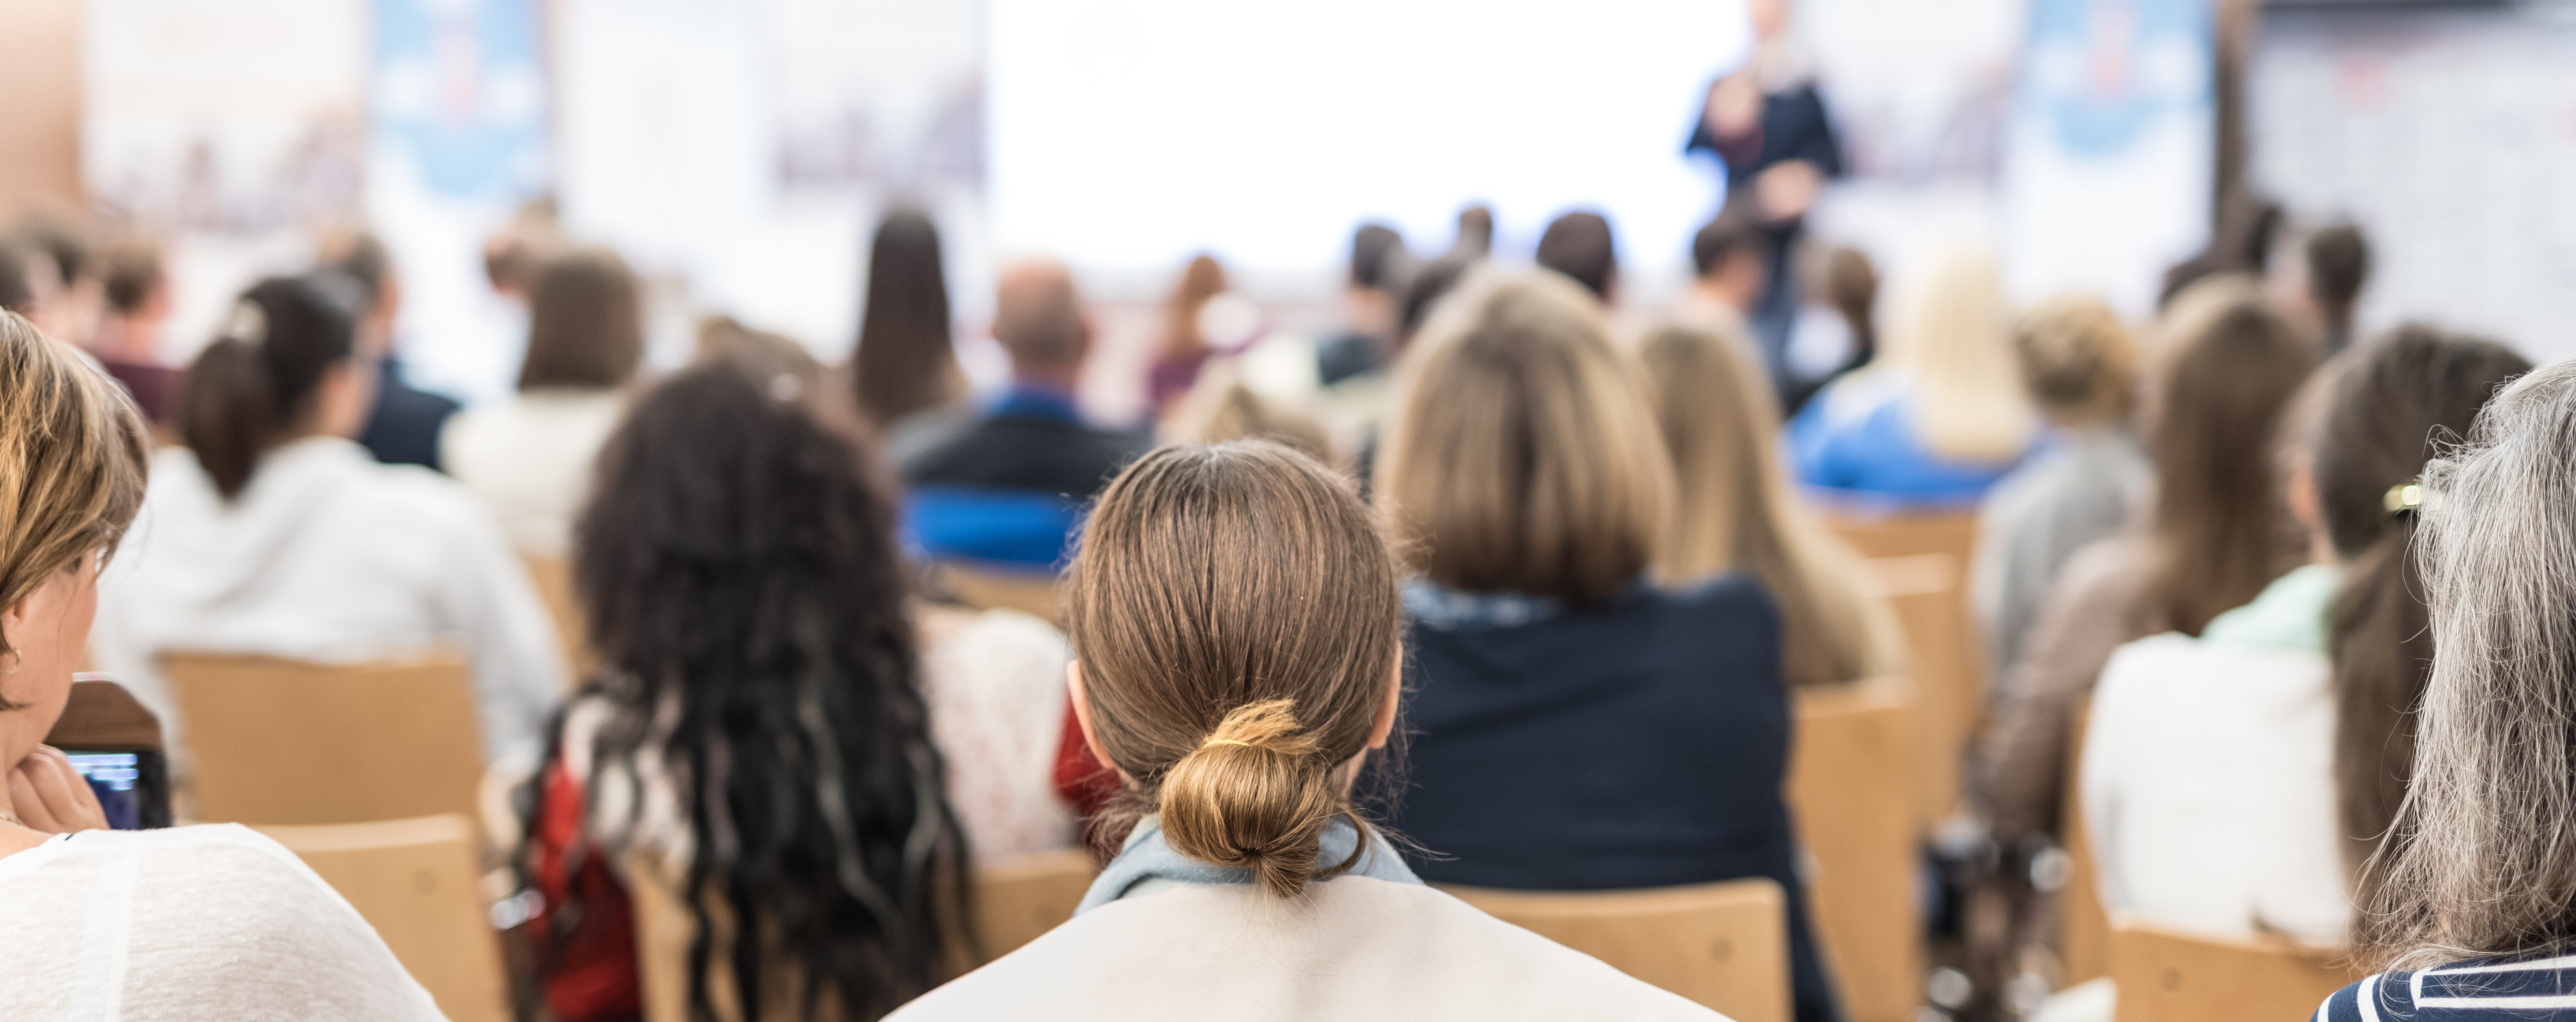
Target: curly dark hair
[747,605]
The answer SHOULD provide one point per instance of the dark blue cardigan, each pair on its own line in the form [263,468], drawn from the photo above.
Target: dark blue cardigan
[1641,743]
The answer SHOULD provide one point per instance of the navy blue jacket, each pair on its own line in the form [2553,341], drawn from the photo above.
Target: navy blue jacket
[1641,743]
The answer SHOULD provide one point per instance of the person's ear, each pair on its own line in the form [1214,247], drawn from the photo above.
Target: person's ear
[1386,711]
[1082,716]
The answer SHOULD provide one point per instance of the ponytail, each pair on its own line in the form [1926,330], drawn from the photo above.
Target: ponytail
[254,387]
[1256,795]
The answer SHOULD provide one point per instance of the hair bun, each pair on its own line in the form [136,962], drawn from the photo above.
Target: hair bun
[1255,796]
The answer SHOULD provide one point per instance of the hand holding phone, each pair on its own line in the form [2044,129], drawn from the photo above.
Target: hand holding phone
[48,795]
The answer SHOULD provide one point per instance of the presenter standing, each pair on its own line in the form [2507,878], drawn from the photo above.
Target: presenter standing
[1766,123]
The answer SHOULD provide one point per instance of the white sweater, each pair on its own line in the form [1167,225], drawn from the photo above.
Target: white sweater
[330,557]
[192,924]
[530,458]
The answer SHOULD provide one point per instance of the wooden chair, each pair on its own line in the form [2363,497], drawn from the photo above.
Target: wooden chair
[1723,945]
[2084,927]
[280,741]
[1849,777]
[1018,900]
[984,587]
[1927,592]
[2167,976]
[103,716]
[553,579]
[414,881]
[1909,533]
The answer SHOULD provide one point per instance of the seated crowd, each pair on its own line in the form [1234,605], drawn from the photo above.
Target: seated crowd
[1522,593]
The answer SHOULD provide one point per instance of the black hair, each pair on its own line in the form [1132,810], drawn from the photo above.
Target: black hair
[1377,257]
[1579,245]
[256,384]
[748,610]
[906,359]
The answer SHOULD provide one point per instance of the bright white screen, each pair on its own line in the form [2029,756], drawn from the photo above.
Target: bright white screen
[1127,134]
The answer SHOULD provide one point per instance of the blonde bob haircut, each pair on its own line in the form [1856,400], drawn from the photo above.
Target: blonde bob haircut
[1523,457]
[73,455]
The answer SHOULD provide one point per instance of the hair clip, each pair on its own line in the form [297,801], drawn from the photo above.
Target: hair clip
[248,324]
[2409,497]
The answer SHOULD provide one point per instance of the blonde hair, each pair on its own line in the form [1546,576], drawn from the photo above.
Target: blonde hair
[2079,363]
[73,454]
[1736,511]
[1221,407]
[1949,340]
[1522,457]
[1234,611]
[2482,861]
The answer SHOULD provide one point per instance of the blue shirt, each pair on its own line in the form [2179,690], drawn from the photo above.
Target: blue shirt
[2484,990]
[1147,859]
[1856,443]
[1008,489]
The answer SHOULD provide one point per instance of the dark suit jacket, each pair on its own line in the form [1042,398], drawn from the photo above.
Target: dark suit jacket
[404,427]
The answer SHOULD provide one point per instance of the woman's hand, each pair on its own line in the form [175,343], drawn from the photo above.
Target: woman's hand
[48,795]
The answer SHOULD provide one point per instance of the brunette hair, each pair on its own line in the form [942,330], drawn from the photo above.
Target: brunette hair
[907,355]
[2386,411]
[1736,511]
[133,273]
[748,607]
[1378,257]
[257,384]
[2481,862]
[1201,280]
[2218,529]
[1235,615]
[73,454]
[1521,456]
[585,323]
[1580,246]
[1849,282]
[2078,361]
[1729,234]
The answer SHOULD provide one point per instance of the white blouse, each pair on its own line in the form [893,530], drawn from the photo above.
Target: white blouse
[208,923]
[995,684]
[330,557]
[529,459]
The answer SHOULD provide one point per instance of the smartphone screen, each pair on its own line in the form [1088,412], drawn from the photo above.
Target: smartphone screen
[117,779]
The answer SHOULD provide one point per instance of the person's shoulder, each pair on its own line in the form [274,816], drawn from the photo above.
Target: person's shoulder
[1732,596]
[2371,998]
[2107,570]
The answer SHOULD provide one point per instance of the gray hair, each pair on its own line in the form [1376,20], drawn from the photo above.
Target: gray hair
[2488,867]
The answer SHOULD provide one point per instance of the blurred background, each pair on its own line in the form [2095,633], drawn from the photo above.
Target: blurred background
[738,151]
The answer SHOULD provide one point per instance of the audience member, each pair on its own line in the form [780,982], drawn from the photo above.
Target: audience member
[1235,615]
[749,612]
[1730,268]
[1937,417]
[271,533]
[1222,407]
[1530,493]
[1008,487]
[64,275]
[1736,511]
[1186,346]
[905,367]
[1580,245]
[2338,267]
[127,342]
[2474,907]
[529,458]
[18,280]
[2214,534]
[1371,296]
[405,425]
[194,924]
[2080,366]
[1475,239]
[1836,332]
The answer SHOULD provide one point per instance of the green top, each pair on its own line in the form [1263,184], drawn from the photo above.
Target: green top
[2289,615]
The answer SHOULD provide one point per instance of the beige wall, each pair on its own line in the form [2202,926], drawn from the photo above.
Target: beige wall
[39,102]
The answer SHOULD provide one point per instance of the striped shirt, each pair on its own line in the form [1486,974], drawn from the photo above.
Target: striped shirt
[2487,990]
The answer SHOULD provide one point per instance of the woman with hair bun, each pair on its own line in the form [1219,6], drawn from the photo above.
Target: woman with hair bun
[1238,642]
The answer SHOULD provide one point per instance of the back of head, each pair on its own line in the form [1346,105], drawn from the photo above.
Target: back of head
[725,339]
[585,324]
[17,289]
[1580,246]
[361,258]
[2078,361]
[133,274]
[1378,257]
[1730,236]
[1201,280]
[1037,316]
[260,381]
[1234,612]
[72,462]
[1475,233]
[2482,865]
[1521,457]
[2338,266]
[748,607]
[2221,532]
[906,360]
[1221,407]
[1850,283]
[1950,342]
[1734,510]
[1431,283]
[2389,405]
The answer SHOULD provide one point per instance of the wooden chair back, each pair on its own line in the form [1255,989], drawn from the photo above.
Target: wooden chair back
[1908,533]
[1928,592]
[102,715]
[1036,593]
[1723,945]
[2084,926]
[1849,777]
[415,881]
[553,579]
[281,741]
[2168,976]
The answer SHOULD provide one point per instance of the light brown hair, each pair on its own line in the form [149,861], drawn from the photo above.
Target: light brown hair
[1735,510]
[1522,457]
[585,323]
[73,453]
[1234,611]
[2078,361]
[1201,280]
